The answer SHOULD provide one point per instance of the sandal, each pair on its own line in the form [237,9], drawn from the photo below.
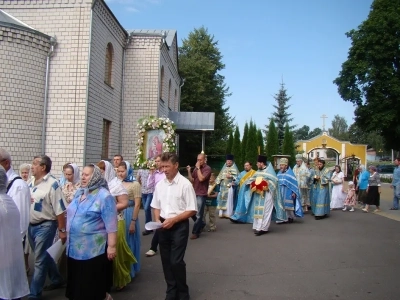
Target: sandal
[392,208]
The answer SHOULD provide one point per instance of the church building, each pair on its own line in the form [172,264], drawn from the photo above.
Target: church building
[75,82]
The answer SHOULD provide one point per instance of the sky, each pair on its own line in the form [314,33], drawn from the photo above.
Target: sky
[265,42]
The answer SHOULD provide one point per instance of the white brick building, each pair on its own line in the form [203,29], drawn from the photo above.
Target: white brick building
[101,80]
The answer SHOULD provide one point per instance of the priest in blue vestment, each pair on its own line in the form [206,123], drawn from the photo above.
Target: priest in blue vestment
[244,211]
[289,191]
[263,195]
[321,196]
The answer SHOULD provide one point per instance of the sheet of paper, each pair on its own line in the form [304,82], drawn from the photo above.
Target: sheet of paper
[56,250]
[153,225]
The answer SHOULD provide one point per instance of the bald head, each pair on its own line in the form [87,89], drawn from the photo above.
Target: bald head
[5,159]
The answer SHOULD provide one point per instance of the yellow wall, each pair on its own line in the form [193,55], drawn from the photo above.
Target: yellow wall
[346,149]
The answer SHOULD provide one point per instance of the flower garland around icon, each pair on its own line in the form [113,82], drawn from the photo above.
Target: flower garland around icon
[153,123]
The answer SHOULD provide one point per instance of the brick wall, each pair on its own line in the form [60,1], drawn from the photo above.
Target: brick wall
[141,88]
[22,85]
[104,101]
[69,21]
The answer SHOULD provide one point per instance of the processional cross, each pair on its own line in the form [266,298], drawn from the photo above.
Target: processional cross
[323,121]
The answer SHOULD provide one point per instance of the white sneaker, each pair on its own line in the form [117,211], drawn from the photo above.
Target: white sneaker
[352,209]
[345,208]
[150,253]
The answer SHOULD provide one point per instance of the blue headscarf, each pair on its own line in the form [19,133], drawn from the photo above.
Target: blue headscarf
[129,173]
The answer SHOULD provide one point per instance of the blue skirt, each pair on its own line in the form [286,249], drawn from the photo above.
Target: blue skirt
[133,240]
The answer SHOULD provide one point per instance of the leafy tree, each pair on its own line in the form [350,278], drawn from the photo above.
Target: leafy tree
[200,63]
[272,145]
[301,133]
[281,116]
[244,140]
[237,148]
[288,147]
[260,140]
[315,132]
[373,139]
[339,128]
[252,143]
[370,77]
[229,144]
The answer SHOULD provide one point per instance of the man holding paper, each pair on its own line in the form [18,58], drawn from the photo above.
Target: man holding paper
[174,202]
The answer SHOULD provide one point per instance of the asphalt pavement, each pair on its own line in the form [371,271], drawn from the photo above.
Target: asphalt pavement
[350,255]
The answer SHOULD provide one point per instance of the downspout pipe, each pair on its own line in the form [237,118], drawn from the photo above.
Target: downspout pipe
[53,43]
[180,93]
[127,41]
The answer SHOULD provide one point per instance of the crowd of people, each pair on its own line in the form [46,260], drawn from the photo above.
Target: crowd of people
[95,212]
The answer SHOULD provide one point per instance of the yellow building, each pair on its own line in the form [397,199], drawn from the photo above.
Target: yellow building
[348,155]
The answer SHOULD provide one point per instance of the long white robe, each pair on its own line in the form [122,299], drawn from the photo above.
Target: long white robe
[263,224]
[13,280]
[338,196]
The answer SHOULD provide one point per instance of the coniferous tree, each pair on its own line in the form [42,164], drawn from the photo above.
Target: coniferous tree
[244,140]
[205,90]
[272,145]
[260,139]
[252,143]
[229,144]
[281,116]
[237,148]
[288,147]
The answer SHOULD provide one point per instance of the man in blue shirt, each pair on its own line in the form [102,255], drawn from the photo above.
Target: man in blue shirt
[396,184]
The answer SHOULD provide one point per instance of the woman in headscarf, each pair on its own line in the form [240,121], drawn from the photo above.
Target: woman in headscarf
[131,214]
[72,181]
[373,190]
[92,238]
[125,258]
[25,172]
[13,280]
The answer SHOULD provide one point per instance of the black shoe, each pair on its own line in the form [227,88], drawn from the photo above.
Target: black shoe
[234,221]
[318,217]
[291,220]
[147,232]
[260,232]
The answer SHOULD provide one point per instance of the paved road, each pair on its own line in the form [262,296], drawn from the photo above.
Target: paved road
[347,256]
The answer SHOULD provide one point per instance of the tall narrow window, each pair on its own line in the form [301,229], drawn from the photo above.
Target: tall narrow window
[105,144]
[176,100]
[109,64]
[169,94]
[161,82]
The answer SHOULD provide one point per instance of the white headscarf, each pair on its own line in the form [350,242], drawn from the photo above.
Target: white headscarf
[114,184]
[77,175]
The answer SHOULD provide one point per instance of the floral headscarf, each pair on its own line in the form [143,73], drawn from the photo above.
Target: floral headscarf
[95,182]
[3,180]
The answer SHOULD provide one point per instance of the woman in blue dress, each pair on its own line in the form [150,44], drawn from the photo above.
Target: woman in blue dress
[131,213]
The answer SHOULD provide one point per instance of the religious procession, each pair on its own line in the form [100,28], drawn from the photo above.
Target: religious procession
[94,214]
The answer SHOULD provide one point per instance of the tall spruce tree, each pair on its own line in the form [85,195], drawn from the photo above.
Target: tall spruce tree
[252,143]
[281,116]
[237,148]
[229,144]
[200,64]
[272,145]
[260,139]
[288,147]
[244,140]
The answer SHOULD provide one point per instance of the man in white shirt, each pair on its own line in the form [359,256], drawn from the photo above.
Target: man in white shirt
[174,202]
[18,190]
